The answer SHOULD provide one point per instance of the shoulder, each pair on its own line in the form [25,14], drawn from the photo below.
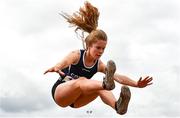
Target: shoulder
[75,54]
[101,66]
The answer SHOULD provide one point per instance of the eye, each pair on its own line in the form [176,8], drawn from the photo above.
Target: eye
[98,47]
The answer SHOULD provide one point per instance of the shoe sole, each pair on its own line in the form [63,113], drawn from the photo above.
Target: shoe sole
[124,100]
[110,70]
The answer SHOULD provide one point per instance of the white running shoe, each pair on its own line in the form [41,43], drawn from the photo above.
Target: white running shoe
[108,81]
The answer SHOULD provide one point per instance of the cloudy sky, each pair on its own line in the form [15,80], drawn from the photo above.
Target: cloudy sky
[144,39]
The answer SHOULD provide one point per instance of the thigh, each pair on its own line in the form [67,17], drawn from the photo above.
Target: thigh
[84,99]
[66,93]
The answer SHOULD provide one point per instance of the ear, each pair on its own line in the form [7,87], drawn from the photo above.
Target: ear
[87,46]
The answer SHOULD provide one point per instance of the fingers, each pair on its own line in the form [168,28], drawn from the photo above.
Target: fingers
[149,84]
[145,82]
[53,69]
[61,73]
[147,79]
[150,79]
[140,79]
[46,72]
[49,70]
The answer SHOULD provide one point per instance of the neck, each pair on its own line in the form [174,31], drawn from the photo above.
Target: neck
[88,58]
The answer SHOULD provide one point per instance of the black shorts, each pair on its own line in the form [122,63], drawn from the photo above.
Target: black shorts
[60,81]
[55,85]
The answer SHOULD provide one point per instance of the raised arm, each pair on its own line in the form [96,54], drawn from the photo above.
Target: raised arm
[71,58]
[122,79]
[141,83]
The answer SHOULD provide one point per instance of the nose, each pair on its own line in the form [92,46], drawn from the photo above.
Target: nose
[101,51]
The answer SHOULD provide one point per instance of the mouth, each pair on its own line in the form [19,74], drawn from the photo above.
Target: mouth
[98,55]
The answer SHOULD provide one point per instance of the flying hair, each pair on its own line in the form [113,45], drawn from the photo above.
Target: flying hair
[86,19]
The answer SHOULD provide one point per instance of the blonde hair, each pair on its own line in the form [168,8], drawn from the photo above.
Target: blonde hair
[86,20]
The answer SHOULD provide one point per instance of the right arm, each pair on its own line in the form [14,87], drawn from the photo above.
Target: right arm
[71,58]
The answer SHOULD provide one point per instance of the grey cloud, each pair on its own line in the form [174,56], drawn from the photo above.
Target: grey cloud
[155,19]
[22,104]
[32,17]
[20,94]
[143,39]
[146,28]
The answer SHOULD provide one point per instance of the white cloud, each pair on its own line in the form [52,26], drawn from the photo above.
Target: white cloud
[143,40]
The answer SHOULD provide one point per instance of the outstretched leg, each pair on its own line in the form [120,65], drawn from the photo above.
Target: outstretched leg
[106,96]
[84,91]
[121,105]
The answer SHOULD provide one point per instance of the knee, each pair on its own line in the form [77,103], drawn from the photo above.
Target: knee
[82,79]
[61,104]
[81,82]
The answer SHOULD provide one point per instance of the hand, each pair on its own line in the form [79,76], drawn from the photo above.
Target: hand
[144,82]
[55,69]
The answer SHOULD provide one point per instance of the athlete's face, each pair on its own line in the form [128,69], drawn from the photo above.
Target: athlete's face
[97,49]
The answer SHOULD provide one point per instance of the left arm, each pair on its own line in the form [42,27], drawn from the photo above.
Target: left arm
[141,83]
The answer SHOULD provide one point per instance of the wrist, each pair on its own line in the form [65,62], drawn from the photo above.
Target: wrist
[136,84]
[56,68]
